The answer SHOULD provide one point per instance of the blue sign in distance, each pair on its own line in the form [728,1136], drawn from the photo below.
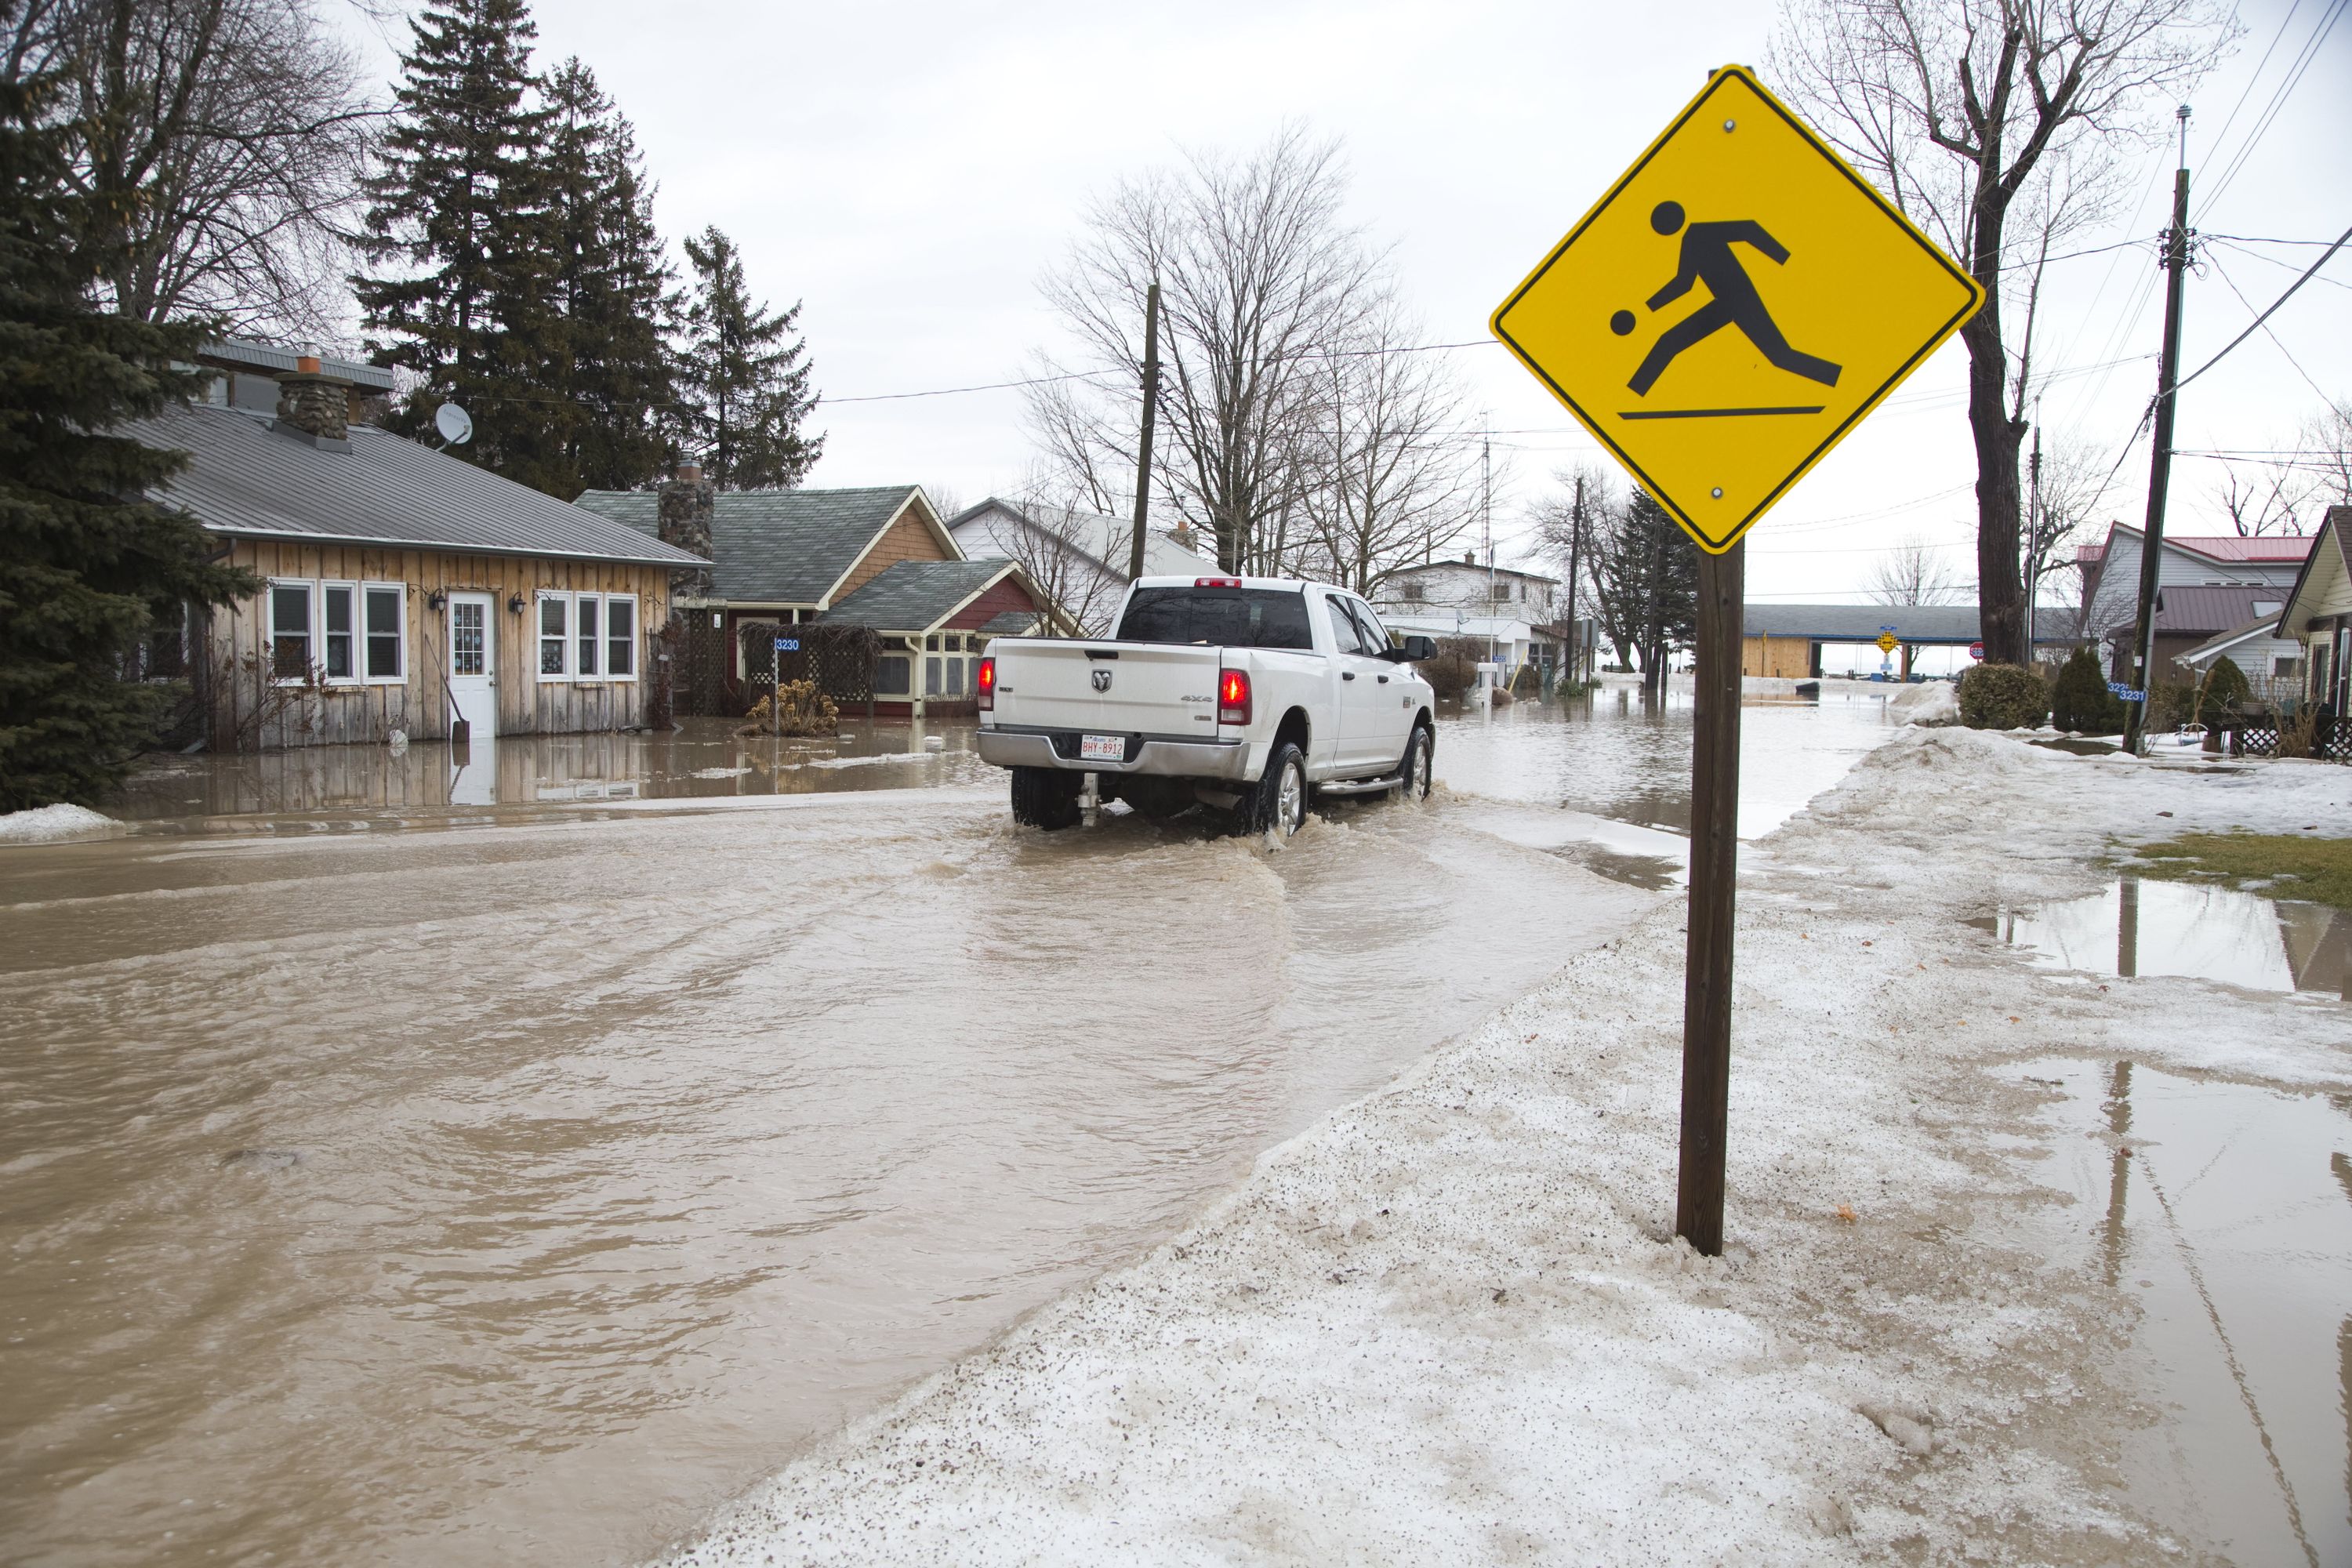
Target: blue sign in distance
[788,644]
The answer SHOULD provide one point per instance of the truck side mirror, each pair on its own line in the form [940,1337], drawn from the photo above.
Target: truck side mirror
[1415,648]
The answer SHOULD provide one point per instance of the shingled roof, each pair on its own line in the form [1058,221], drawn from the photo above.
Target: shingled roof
[915,595]
[773,547]
[247,478]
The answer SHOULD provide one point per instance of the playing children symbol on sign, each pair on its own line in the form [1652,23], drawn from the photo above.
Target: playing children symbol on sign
[1732,308]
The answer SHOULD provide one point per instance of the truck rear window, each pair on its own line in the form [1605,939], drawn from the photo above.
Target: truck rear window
[1222,618]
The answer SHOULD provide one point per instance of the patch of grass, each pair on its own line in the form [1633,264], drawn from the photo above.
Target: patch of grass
[2291,864]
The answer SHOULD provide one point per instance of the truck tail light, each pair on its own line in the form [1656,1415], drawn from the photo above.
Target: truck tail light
[1232,696]
[983,684]
[1216,581]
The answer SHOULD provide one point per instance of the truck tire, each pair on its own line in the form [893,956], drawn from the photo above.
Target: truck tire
[1418,750]
[1278,803]
[1046,798]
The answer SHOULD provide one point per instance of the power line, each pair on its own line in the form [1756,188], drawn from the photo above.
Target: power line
[2267,315]
[2276,342]
[2285,90]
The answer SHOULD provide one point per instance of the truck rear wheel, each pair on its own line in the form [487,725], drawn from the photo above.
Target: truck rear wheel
[1277,804]
[1046,798]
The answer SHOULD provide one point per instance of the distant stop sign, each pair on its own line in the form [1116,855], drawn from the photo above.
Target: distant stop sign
[1976,650]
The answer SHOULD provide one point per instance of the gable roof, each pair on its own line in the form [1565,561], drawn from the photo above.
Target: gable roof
[245,478]
[2263,630]
[782,547]
[1107,542]
[2228,550]
[2326,561]
[915,595]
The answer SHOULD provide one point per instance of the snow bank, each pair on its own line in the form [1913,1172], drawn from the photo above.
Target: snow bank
[1934,702]
[49,824]
[1449,1324]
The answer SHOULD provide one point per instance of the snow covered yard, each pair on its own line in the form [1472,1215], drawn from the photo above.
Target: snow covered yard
[1449,1323]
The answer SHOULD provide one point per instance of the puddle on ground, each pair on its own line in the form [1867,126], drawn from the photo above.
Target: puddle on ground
[2227,1211]
[2143,926]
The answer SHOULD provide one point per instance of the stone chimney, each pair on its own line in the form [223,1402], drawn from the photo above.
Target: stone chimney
[684,508]
[1469,558]
[314,405]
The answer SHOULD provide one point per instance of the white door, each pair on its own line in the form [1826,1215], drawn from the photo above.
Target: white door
[473,663]
[1392,706]
[1359,689]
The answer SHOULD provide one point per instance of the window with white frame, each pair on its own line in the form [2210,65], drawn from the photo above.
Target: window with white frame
[344,634]
[587,636]
[291,607]
[385,625]
[555,636]
[338,630]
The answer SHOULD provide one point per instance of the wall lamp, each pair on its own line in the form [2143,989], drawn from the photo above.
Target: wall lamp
[437,600]
[514,606]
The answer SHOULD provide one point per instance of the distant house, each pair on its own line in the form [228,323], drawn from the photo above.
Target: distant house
[1080,558]
[403,589]
[2318,615]
[2273,665]
[2205,586]
[1519,611]
[876,557]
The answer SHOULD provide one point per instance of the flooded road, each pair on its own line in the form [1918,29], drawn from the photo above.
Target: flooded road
[524,1188]
[2227,1210]
[2141,926]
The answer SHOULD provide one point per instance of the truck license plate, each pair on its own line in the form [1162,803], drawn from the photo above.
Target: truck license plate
[1102,748]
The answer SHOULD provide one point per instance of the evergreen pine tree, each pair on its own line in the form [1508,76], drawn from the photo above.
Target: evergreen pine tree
[610,372]
[458,220]
[743,383]
[84,570]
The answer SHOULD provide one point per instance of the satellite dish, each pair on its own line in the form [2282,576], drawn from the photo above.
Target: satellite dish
[457,425]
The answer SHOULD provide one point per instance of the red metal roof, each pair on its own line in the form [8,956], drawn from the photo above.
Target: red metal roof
[2284,548]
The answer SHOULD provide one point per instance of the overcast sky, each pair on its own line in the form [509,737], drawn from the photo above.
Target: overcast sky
[909,171]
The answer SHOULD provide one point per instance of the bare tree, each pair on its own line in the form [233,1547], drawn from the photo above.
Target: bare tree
[1258,278]
[1974,114]
[219,143]
[1062,549]
[1914,572]
[2292,490]
[2327,448]
[2076,479]
[1394,477]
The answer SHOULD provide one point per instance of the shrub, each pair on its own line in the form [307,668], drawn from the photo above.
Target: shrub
[2079,699]
[805,712]
[1455,668]
[2002,697]
[2226,689]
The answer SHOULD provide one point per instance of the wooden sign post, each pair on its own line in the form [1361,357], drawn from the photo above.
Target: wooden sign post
[1726,313]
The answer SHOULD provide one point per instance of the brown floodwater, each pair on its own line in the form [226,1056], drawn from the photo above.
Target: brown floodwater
[421,1159]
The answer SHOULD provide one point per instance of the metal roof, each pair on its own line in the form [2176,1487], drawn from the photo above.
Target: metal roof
[247,477]
[274,361]
[2202,611]
[915,595]
[1862,623]
[2264,629]
[773,547]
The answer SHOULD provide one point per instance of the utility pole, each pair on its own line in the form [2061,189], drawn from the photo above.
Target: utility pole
[1575,550]
[1487,514]
[1150,407]
[2160,463]
[2033,540]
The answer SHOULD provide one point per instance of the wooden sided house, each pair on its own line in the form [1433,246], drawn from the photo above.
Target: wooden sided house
[878,557]
[404,590]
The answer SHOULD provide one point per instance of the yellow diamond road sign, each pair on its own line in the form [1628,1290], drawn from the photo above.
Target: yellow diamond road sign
[1888,642]
[1732,308]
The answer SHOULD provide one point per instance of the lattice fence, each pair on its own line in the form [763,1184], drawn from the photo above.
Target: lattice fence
[838,660]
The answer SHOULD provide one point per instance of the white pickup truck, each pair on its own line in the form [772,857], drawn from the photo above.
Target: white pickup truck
[1246,694]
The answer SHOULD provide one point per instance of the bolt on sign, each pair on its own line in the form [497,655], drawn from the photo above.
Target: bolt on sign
[1732,308]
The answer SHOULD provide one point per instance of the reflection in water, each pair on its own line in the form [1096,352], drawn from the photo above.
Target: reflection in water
[1611,758]
[703,760]
[2146,927]
[2227,1212]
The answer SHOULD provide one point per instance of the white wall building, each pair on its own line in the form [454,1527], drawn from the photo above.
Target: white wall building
[1518,611]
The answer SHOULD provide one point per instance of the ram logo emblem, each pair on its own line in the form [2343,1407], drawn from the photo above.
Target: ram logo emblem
[1102,679]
